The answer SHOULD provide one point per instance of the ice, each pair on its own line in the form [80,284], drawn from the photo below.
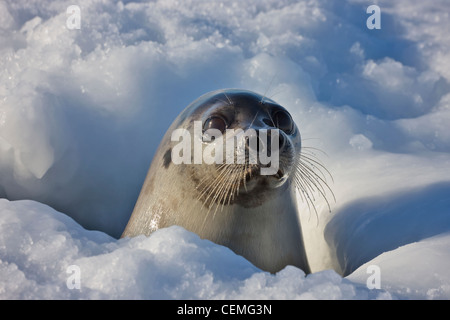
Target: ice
[82,112]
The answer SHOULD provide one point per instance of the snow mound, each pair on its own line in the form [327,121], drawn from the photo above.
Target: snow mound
[39,247]
[415,271]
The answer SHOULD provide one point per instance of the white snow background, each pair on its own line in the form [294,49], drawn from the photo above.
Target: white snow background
[82,112]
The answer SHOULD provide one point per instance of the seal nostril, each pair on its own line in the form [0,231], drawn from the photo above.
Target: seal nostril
[257,142]
[269,122]
[263,142]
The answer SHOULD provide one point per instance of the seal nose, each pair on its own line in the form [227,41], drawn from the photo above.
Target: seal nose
[271,125]
[264,141]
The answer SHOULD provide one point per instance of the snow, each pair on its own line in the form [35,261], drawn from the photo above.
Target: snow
[82,112]
[170,264]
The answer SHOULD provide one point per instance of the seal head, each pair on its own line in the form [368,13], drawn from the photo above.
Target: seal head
[225,194]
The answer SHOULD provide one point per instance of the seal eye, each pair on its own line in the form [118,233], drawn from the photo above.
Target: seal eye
[215,122]
[283,121]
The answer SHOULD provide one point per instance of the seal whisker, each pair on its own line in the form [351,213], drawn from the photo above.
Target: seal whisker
[322,180]
[228,187]
[268,88]
[225,102]
[205,178]
[314,181]
[315,164]
[304,185]
[212,184]
[217,182]
[228,98]
[310,203]
[240,178]
[313,160]
[220,196]
[311,177]
[303,182]
[316,149]
[306,191]
[244,172]
[233,185]
[254,118]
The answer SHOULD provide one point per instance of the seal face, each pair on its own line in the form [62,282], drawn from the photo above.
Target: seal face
[227,169]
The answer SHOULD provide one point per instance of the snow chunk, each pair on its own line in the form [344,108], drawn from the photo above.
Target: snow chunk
[360,142]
